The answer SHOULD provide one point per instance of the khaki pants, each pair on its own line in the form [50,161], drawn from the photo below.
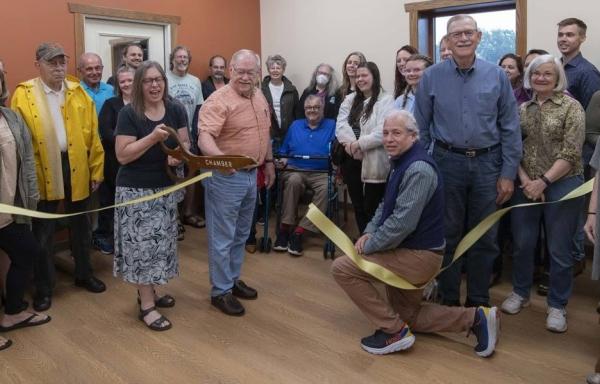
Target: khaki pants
[294,185]
[403,306]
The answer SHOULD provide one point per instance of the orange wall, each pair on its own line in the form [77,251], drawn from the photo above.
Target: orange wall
[207,27]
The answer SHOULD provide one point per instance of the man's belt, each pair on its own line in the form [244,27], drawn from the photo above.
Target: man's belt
[468,152]
[195,163]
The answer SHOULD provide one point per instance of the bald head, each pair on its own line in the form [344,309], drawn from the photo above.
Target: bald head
[245,54]
[90,69]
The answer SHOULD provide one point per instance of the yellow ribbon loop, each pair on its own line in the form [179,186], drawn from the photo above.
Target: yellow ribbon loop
[4,208]
[335,234]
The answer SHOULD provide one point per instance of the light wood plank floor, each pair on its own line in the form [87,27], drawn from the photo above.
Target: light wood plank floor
[302,329]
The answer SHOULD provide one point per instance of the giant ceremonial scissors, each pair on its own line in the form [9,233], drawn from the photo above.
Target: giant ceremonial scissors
[195,163]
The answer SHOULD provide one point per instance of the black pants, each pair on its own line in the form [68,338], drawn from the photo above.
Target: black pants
[22,248]
[106,195]
[365,196]
[44,274]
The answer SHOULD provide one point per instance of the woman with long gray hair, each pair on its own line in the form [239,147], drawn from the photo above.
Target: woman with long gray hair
[324,84]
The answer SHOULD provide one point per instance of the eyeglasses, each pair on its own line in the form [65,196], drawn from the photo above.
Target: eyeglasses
[242,72]
[55,63]
[150,81]
[469,33]
[312,107]
[545,75]
[96,68]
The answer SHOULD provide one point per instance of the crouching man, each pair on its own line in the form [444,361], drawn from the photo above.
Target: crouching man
[406,236]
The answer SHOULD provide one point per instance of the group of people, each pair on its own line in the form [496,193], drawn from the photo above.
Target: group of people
[417,183]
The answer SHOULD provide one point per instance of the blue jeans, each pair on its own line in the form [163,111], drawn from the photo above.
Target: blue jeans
[560,221]
[470,195]
[229,205]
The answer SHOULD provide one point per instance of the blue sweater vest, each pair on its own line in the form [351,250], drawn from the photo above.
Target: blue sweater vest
[429,233]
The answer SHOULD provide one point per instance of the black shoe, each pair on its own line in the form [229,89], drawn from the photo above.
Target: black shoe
[42,303]
[544,285]
[228,304]
[92,284]
[475,304]
[281,243]
[295,248]
[241,290]
[578,267]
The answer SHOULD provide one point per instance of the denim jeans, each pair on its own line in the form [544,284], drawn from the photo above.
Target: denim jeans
[560,221]
[470,195]
[229,205]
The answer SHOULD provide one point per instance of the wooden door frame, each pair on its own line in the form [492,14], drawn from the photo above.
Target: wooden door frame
[81,11]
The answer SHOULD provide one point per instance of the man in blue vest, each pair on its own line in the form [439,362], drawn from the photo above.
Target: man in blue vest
[406,236]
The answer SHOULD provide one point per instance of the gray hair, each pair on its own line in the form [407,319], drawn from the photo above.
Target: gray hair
[561,81]
[276,59]
[244,53]
[310,98]
[85,56]
[333,84]
[460,17]
[407,118]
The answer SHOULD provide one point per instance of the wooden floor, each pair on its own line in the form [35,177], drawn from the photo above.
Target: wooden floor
[302,329]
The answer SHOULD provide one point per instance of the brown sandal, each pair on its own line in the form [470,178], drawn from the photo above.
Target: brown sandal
[7,343]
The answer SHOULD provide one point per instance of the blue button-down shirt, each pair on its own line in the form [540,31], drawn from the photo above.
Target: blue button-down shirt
[583,79]
[100,95]
[302,140]
[473,108]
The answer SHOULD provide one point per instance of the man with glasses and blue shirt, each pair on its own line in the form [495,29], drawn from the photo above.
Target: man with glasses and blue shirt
[234,120]
[468,118]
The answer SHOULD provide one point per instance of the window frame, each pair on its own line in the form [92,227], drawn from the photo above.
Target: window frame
[423,13]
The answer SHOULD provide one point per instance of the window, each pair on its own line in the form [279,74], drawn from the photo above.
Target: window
[502,23]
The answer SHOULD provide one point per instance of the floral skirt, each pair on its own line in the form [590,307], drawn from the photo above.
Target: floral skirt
[146,237]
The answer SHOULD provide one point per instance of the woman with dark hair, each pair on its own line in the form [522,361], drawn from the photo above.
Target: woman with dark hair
[513,67]
[359,129]
[401,56]
[107,123]
[351,63]
[413,71]
[324,84]
[18,187]
[146,233]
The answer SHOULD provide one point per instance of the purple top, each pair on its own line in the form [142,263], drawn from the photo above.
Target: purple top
[522,95]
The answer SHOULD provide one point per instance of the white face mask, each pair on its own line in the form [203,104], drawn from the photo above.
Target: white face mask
[322,79]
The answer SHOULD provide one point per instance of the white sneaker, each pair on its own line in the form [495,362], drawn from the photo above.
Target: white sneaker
[556,321]
[514,303]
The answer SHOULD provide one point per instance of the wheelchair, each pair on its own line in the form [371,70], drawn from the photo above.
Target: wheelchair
[332,196]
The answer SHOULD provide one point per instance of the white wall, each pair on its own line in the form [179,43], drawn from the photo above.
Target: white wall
[307,32]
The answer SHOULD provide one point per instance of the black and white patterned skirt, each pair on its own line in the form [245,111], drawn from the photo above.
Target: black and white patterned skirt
[146,237]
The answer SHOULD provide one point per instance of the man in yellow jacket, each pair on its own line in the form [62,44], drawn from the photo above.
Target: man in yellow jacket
[69,163]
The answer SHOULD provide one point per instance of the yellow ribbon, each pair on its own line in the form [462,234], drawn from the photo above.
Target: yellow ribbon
[341,240]
[4,208]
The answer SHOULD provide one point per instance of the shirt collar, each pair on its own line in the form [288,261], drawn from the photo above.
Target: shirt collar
[575,61]
[49,90]
[556,98]
[313,129]
[459,70]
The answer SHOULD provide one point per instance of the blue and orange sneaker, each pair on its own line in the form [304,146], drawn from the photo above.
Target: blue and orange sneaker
[381,343]
[486,328]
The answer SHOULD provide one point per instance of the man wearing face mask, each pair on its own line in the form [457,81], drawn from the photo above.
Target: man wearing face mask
[324,84]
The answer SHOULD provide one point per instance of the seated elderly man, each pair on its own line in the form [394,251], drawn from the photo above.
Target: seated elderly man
[310,136]
[406,236]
